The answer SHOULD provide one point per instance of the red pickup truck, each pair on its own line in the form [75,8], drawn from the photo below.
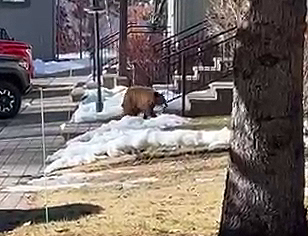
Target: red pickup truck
[16,72]
[8,46]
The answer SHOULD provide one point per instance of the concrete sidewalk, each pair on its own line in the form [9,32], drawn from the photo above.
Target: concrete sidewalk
[21,155]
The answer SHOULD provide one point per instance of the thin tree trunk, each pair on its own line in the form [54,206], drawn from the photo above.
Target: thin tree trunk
[265,181]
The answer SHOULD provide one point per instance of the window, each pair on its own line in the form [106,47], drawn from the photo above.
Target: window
[14,3]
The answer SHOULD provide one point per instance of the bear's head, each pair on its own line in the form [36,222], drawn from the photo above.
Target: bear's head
[160,99]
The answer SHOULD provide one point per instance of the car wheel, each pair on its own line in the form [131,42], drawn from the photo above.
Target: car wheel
[10,100]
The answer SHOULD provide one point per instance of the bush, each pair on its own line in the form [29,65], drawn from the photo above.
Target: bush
[140,52]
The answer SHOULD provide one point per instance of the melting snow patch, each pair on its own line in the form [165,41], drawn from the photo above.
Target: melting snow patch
[112,99]
[175,104]
[37,188]
[74,55]
[51,67]
[133,133]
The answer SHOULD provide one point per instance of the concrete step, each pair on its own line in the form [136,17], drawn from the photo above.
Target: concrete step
[36,108]
[55,109]
[72,130]
[217,100]
[76,72]
[55,87]
[30,130]
[49,116]
[59,82]
[212,92]
[221,105]
[202,95]
[109,81]
[165,87]
[50,92]
[51,107]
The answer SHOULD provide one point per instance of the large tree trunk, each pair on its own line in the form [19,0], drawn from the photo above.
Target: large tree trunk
[265,181]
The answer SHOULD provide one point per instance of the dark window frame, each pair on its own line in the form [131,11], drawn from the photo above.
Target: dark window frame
[24,4]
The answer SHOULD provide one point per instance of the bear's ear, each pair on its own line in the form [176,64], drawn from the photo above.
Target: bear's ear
[156,94]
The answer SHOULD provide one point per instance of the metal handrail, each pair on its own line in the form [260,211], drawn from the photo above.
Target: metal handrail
[130,26]
[116,33]
[181,32]
[202,42]
[111,39]
[208,38]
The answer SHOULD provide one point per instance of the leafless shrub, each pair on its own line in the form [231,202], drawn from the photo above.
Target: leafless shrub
[225,14]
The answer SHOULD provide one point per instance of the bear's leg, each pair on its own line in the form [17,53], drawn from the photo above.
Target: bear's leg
[128,113]
[131,111]
[153,113]
[136,112]
[149,112]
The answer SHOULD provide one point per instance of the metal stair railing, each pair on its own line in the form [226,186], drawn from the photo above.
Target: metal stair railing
[190,66]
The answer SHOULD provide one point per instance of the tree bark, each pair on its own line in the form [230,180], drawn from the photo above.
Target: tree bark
[264,192]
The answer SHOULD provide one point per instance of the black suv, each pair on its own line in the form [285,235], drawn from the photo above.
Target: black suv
[14,83]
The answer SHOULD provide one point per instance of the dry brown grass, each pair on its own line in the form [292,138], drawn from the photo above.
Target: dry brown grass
[181,197]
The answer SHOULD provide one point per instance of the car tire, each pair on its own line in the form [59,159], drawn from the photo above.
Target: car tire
[10,100]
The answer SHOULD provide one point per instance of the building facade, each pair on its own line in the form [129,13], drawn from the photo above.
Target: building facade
[31,21]
[185,13]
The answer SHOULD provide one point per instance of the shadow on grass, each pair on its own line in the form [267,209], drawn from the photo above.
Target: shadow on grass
[10,219]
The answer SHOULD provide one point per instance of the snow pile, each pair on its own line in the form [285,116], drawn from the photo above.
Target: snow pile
[133,133]
[85,54]
[51,67]
[70,61]
[176,104]
[112,99]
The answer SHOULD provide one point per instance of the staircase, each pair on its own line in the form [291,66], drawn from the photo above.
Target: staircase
[196,67]
[193,68]
[217,100]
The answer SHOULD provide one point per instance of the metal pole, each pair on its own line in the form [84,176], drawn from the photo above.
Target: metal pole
[183,62]
[123,39]
[80,30]
[44,154]
[58,30]
[93,48]
[168,63]
[99,105]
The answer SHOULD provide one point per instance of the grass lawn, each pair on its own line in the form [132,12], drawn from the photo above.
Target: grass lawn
[181,197]
[208,123]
